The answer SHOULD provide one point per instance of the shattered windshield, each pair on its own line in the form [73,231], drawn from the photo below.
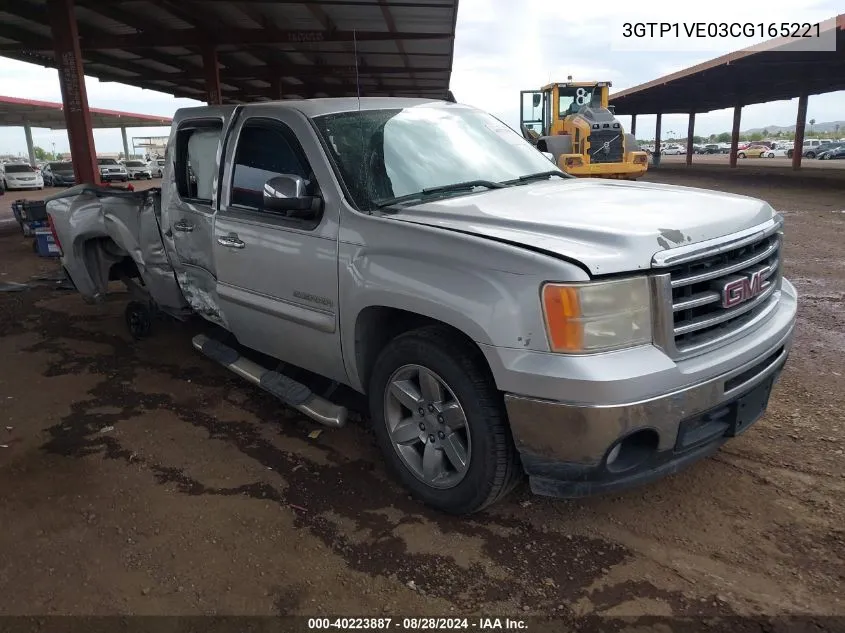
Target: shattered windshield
[386,154]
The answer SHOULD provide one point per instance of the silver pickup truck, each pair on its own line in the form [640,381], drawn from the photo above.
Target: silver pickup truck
[501,317]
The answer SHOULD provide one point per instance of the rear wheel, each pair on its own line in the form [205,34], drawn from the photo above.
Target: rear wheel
[810,154]
[741,155]
[441,422]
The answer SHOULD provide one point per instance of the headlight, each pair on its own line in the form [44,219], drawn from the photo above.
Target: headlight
[597,316]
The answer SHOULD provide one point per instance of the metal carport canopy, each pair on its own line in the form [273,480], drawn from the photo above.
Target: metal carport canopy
[22,112]
[264,49]
[741,78]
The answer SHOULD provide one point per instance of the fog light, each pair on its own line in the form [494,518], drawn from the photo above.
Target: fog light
[632,451]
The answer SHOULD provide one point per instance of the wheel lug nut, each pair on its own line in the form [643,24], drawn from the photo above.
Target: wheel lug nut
[422,426]
[440,419]
[431,438]
[431,407]
[441,434]
[421,411]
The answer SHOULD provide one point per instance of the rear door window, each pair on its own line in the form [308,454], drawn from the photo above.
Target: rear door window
[197,144]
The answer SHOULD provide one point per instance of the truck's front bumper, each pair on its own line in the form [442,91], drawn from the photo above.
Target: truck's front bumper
[575,448]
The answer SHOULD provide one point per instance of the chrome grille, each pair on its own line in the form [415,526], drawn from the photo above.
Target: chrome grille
[695,311]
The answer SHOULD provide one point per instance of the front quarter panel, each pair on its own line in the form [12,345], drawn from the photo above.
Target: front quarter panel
[488,290]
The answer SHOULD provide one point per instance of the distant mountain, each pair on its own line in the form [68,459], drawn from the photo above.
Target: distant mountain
[825,127]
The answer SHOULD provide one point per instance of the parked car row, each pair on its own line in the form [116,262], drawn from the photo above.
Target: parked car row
[60,173]
[812,148]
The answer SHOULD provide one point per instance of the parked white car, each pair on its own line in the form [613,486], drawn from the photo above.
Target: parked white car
[111,170]
[157,167]
[673,150]
[21,176]
[138,169]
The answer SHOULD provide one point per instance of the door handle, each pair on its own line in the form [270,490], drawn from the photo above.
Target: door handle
[230,241]
[183,226]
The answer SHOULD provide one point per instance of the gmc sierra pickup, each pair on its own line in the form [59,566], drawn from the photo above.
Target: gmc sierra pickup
[501,317]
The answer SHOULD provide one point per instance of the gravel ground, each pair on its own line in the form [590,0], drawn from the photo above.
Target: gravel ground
[141,478]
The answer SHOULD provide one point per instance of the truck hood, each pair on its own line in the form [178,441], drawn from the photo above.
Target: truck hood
[608,226]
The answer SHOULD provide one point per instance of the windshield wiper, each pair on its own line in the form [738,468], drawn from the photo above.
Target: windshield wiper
[540,175]
[458,186]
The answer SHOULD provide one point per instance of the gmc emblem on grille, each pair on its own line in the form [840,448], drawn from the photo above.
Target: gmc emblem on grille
[741,289]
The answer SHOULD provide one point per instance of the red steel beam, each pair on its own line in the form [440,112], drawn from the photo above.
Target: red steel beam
[214,95]
[74,95]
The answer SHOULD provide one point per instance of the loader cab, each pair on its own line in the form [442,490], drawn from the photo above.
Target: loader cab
[535,111]
[543,112]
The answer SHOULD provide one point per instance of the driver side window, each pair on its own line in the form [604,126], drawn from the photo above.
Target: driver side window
[265,149]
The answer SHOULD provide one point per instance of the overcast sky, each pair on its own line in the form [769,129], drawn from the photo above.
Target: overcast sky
[503,47]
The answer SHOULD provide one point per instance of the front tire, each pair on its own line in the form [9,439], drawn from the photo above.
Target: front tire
[441,422]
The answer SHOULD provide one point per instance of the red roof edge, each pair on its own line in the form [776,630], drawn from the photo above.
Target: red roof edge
[51,105]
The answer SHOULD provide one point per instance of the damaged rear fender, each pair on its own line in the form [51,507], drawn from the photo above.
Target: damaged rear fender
[100,227]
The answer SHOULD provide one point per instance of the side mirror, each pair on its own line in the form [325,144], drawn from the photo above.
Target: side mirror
[289,193]
[535,99]
[549,155]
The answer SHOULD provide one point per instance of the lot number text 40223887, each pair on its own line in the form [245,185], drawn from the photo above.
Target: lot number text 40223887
[417,624]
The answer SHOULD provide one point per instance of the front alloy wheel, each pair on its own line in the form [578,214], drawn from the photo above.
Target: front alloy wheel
[440,421]
[428,426]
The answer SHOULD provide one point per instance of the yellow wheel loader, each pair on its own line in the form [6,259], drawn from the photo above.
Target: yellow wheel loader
[572,121]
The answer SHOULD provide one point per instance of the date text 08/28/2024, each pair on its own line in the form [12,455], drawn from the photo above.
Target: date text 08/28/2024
[721,29]
[417,624]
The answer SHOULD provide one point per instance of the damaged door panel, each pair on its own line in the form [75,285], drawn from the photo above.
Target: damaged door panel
[277,270]
[189,203]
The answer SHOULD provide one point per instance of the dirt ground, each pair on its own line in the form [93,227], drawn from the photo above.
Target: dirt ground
[141,478]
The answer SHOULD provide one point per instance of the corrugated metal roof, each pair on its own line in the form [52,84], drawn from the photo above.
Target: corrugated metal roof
[156,44]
